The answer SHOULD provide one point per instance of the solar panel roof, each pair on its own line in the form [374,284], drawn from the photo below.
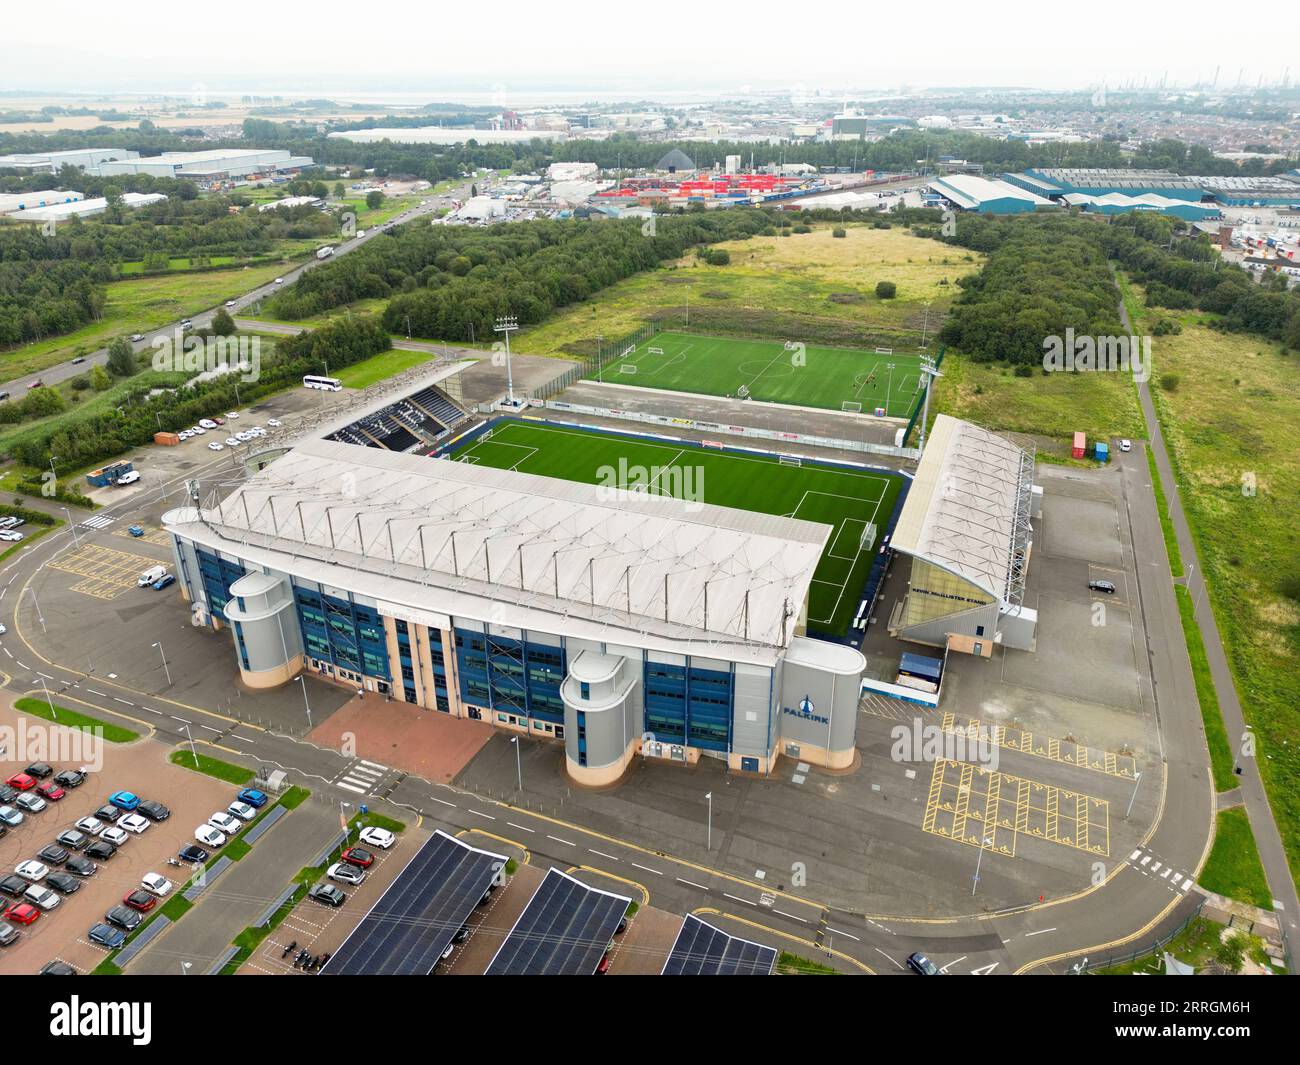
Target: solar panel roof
[564,930]
[702,950]
[406,931]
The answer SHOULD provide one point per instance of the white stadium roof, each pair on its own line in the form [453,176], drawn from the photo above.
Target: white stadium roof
[569,558]
[967,510]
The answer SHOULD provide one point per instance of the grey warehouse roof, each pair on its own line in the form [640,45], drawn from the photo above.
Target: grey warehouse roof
[572,552]
[967,510]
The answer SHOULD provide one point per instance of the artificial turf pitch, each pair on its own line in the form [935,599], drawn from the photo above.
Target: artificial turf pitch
[809,377]
[844,499]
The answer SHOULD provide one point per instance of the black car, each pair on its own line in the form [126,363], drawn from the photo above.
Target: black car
[108,814]
[193,854]
[919,963]
[328,894]
[9,936]
[461,935]
[39,770]
[8,794]
[52,854]
[70,778]
[14,885]
[57,968]
[72,838]
[101,850]
[64,883]
[1101,586]
[153,810]
[106,936]
[79,866]
[124,917]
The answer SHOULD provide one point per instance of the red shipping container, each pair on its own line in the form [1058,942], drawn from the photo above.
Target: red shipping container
[1080,446]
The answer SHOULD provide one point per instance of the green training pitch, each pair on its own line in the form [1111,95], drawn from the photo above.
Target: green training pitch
[806,376]
[845,499]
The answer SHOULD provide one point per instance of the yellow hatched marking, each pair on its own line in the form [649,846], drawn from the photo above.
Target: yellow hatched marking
[1064,751]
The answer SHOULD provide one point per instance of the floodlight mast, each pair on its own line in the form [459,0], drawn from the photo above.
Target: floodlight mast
[930,371]
[507,325]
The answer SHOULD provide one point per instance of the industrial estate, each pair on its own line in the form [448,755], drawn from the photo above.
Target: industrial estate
[771,534]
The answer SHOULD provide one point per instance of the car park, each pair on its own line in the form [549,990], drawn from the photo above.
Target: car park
[140,900]
[153,810]
[52,854]
[71,838]
[209,836]
[253,797]
[31,802]
[346,874]
[114,835]
[133,823]
[327,894]
[79,865]
[157,883]
[377,837]
[32,870]
[10,816]
[40,895]
[124,917]
[63,883]
[105,935]
[223,822]
[241,810]
[101,851]
[69,778]
[22,913]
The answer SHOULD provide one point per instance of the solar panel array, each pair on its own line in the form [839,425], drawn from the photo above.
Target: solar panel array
[564,930]
[702,950]
[406,931]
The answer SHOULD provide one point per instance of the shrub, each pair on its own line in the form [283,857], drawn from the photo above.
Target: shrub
[839,231]
[886,290]
[1169,382]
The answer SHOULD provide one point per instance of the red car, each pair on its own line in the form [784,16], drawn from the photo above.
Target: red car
[358,856]
[51,791]
[22,913]
[141,900]
[21,781]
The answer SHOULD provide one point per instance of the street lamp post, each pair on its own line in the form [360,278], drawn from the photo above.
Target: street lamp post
[53,713]
[166,670]
[37,603]
[305,703]
[519,763]
[1136,781]
[975,882]
[709,845]
[72,527]
[193,753]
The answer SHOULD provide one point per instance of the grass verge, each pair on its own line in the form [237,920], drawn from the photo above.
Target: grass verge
[213,767]
[1234,868]
[62,715]
[1216,736]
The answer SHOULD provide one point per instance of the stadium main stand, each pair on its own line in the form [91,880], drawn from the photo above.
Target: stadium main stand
[412,423]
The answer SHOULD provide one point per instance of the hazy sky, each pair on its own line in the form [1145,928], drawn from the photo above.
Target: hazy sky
[512,49]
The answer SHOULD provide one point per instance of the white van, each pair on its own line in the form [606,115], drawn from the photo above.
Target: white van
[130,477]
[153,573]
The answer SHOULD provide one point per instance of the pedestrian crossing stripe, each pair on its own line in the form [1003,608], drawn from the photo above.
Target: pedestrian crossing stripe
[97,521]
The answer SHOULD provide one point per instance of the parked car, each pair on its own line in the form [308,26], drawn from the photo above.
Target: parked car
[92,826]
[193,854]
[63,883]
[50,790]
[21,782]
[140,900]
[253,797]
[79,865]
[214,446]
[72,839]
[70,778]
[124,917]
[136,338]
[233,441]
[9,935]
[13,885]
[345,873]
[10,816]
[101,851]
[39,770]
[57,968]
[358,856]
[31,802]
[40,895]
[22,913]
[1126,444]
[153,810]
[114,835]
[1102,586]
[157,883]
[328,894]
[922,965]
[377,837]
[165,581]
[52,854]
[224,822]
[124,800]
[32,870]
[241,810]
[133,823]
[207,423]
[135,530]
[7,794]
[209,836]
[274,423]
[108,814]
[106,936]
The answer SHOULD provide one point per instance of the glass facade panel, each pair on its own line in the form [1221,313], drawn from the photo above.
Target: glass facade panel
[345,634]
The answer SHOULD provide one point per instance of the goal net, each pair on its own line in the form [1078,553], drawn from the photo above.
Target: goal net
[655,351]
[868,537]
[851,407]
[790,345]
[743,391]
[790,460]
[884,351]
[627,367]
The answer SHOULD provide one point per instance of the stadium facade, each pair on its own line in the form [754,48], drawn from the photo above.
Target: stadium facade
[616,622]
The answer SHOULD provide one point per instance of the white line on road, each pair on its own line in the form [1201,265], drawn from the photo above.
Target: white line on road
[443,801]
[945,968]
[564,841]
[151,710]
[522,828]
[737,898]
[481,814]
[125,701]
[791,916]
[611,857]
[837,932]
[690,883]
[879,951]
[1039,932]
[645,868]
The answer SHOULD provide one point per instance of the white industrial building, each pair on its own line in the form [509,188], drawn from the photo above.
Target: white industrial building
[17,202]
[87,159]
[447,135]
[219,164]
[61,212]
[572,172]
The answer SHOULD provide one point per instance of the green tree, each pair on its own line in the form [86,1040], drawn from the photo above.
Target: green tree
[374,198]
[100,379]
[222,324]
[886,290]
[121,358]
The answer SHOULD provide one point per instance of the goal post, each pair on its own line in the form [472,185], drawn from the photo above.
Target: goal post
[655,351]
[851,407]
[627,367]
[789,460]
[868,537]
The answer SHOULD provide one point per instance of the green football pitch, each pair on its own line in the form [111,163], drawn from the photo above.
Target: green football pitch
[806,376]
[846,500]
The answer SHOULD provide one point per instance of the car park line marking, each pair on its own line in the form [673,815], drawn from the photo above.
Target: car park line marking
[592,850]
[1066,752]
[564,841]
[646,869]
[881,952]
